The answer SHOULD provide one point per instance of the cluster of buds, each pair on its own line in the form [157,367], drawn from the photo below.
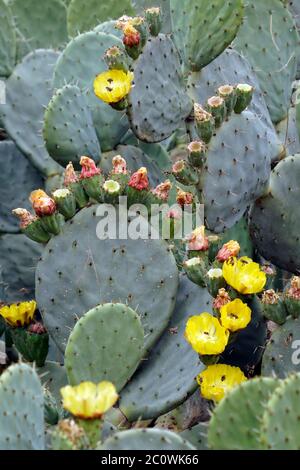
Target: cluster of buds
[135,34]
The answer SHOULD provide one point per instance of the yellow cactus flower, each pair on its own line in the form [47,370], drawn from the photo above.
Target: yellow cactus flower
[206,335]
[244,275]
[88,400]
[113,85]
[219,379]
[235,315]
[20,314]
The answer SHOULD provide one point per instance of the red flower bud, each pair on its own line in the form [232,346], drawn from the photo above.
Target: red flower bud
[70,175]
[139,180]
[89,168]
[230,249]
[42,204]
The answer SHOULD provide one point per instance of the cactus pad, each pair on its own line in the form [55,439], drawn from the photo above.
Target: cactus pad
[24,109]
[21,409]
[146,439]
[107,343]
[68,130]
[197,436]
[168,376]
[8,47]
[86,271]
[202,30]
[158,104]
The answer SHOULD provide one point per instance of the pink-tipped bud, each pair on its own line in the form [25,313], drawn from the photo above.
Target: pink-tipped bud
[222,299]
[89,168]
[70,175]
[139,180]
[197,241]
[162,191]
[184,198]
[26,218]
[119,165]
[42,204]
[131,35]
[174,214]
[294,290]
[230,249]
[37,328]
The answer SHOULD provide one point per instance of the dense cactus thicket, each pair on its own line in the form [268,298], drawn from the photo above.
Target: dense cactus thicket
[119,121]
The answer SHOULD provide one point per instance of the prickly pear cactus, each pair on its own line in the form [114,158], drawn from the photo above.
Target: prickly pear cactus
[141,5]
[105,268]
[24,110]
[235,423]
[158,104]
[146,439]
[274,218]
[21,409]
[202,30]
[112,337]
[197,436]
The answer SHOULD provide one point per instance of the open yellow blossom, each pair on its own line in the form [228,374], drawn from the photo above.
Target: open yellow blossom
[219,379]
[235,315]
[206,335]
[113,85]
[88,400]
[244,275]
[18,314]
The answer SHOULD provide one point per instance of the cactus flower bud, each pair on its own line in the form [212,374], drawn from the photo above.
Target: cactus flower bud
[89,168]
[197,241]
[205,123]
[195,269]
[26,218]
[231,248]
[197,151]
[66,202]
[227,92]
[42,204]
[292,297]
[184,173]
[131,35]
[215,281]
[154,20]
[139,180]
[37,328]
[70,175]
[221,299]
[116,59]
[244,94]
[216,106]
[31,226]
[273,307]
[184,198]
[111,191]
[162,191]
[119,165]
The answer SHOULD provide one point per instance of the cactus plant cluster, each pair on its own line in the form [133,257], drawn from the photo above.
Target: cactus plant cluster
[120,329]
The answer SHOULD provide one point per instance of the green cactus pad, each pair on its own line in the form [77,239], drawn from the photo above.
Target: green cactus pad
[287,131]
[167,378]
[236,421]
[280,423]
[158,104]
[17,179]
[21,409]
[28,91]
[164,5]
[86,271]
[135,159]
[8,44]
[18,259]
[157,152]
[282,355]
[79,64]
[202,29]
[236,169]
[111,336]
[146,439]
[229,68]
[69,131]
[269,40]
[274,220]
[197,436]
[39,25]
[84,15]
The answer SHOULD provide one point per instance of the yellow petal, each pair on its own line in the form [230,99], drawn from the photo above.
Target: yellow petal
[219,379]
[206,335]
